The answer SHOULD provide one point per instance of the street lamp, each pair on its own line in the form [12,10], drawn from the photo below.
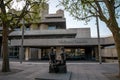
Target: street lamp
[98,34]
[22,40]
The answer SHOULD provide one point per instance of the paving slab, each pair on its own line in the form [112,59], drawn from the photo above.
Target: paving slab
[80,71]
[54,76]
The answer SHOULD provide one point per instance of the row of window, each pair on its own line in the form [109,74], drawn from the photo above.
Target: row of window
[28,28]
[46,37]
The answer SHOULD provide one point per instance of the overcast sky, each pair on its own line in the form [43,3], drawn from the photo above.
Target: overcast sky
[72,23]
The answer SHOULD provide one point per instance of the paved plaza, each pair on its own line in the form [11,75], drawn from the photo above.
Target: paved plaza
[78,70]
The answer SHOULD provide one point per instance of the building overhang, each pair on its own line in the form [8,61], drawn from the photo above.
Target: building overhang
[43,32]
[60,42]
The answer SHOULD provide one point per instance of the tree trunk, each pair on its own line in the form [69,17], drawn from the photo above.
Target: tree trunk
[5,63]
[112,24]
[117,43]
[118,50]
[5,25]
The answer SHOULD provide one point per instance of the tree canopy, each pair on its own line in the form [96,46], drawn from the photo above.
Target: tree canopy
[85,9]
[15,10]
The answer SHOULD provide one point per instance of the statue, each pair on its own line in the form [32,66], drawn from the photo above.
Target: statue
[52,61]
[52,56]
[57,66]
[63,57]
[62,67]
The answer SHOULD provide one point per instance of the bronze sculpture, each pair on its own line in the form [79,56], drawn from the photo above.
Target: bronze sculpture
[57,66]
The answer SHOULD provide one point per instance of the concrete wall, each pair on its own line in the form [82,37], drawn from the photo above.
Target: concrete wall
[109,52]
[56,42]
[34,27]
[43,27]
[44,11]
[109,55]
[60,12]
[42,30]
[83,33]
[109,40]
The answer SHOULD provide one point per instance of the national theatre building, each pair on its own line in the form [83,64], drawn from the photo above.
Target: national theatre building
[51,32]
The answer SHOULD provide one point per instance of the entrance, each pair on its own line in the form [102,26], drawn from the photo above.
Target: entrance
[89,53]
[78,53]
[75,53]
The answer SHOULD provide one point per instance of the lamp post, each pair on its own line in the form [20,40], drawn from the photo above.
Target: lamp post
[22,40]
[98,34]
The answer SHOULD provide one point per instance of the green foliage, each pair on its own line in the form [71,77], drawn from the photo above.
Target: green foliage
[15,10]
[85,9]
[36,10]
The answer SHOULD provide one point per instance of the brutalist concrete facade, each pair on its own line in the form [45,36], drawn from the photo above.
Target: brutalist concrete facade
[51,32]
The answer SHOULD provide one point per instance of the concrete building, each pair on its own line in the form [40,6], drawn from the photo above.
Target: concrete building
[51,32]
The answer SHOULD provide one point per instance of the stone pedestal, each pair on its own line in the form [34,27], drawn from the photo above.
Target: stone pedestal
[62,69]
[57,68]
[53,76]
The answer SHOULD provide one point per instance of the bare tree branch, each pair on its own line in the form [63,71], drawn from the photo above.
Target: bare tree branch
[102,17]
[93,13]
[23,12]
[84,17]
[110,7]
[7,2]
[18,18]
[117,6]
[92,6]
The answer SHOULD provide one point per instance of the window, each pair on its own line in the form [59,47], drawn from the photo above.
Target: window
[17,29]
[14,52]
[51,27]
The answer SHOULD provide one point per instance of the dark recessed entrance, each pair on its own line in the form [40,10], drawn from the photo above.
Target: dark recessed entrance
[73,53]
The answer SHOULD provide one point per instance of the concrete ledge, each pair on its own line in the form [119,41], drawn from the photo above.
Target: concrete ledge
[54,76]
[110,60]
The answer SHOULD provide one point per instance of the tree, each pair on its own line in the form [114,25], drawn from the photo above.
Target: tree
[107,10]
[10,17]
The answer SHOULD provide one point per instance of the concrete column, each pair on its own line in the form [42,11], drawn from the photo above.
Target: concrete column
[102,52]
[19,52]
[23,54]
[44,11]
[93,54]
[43,52]
[27,54]
[76,51]
[33,27]
[43,27]
[96,54]
[39,53]
[1,51]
